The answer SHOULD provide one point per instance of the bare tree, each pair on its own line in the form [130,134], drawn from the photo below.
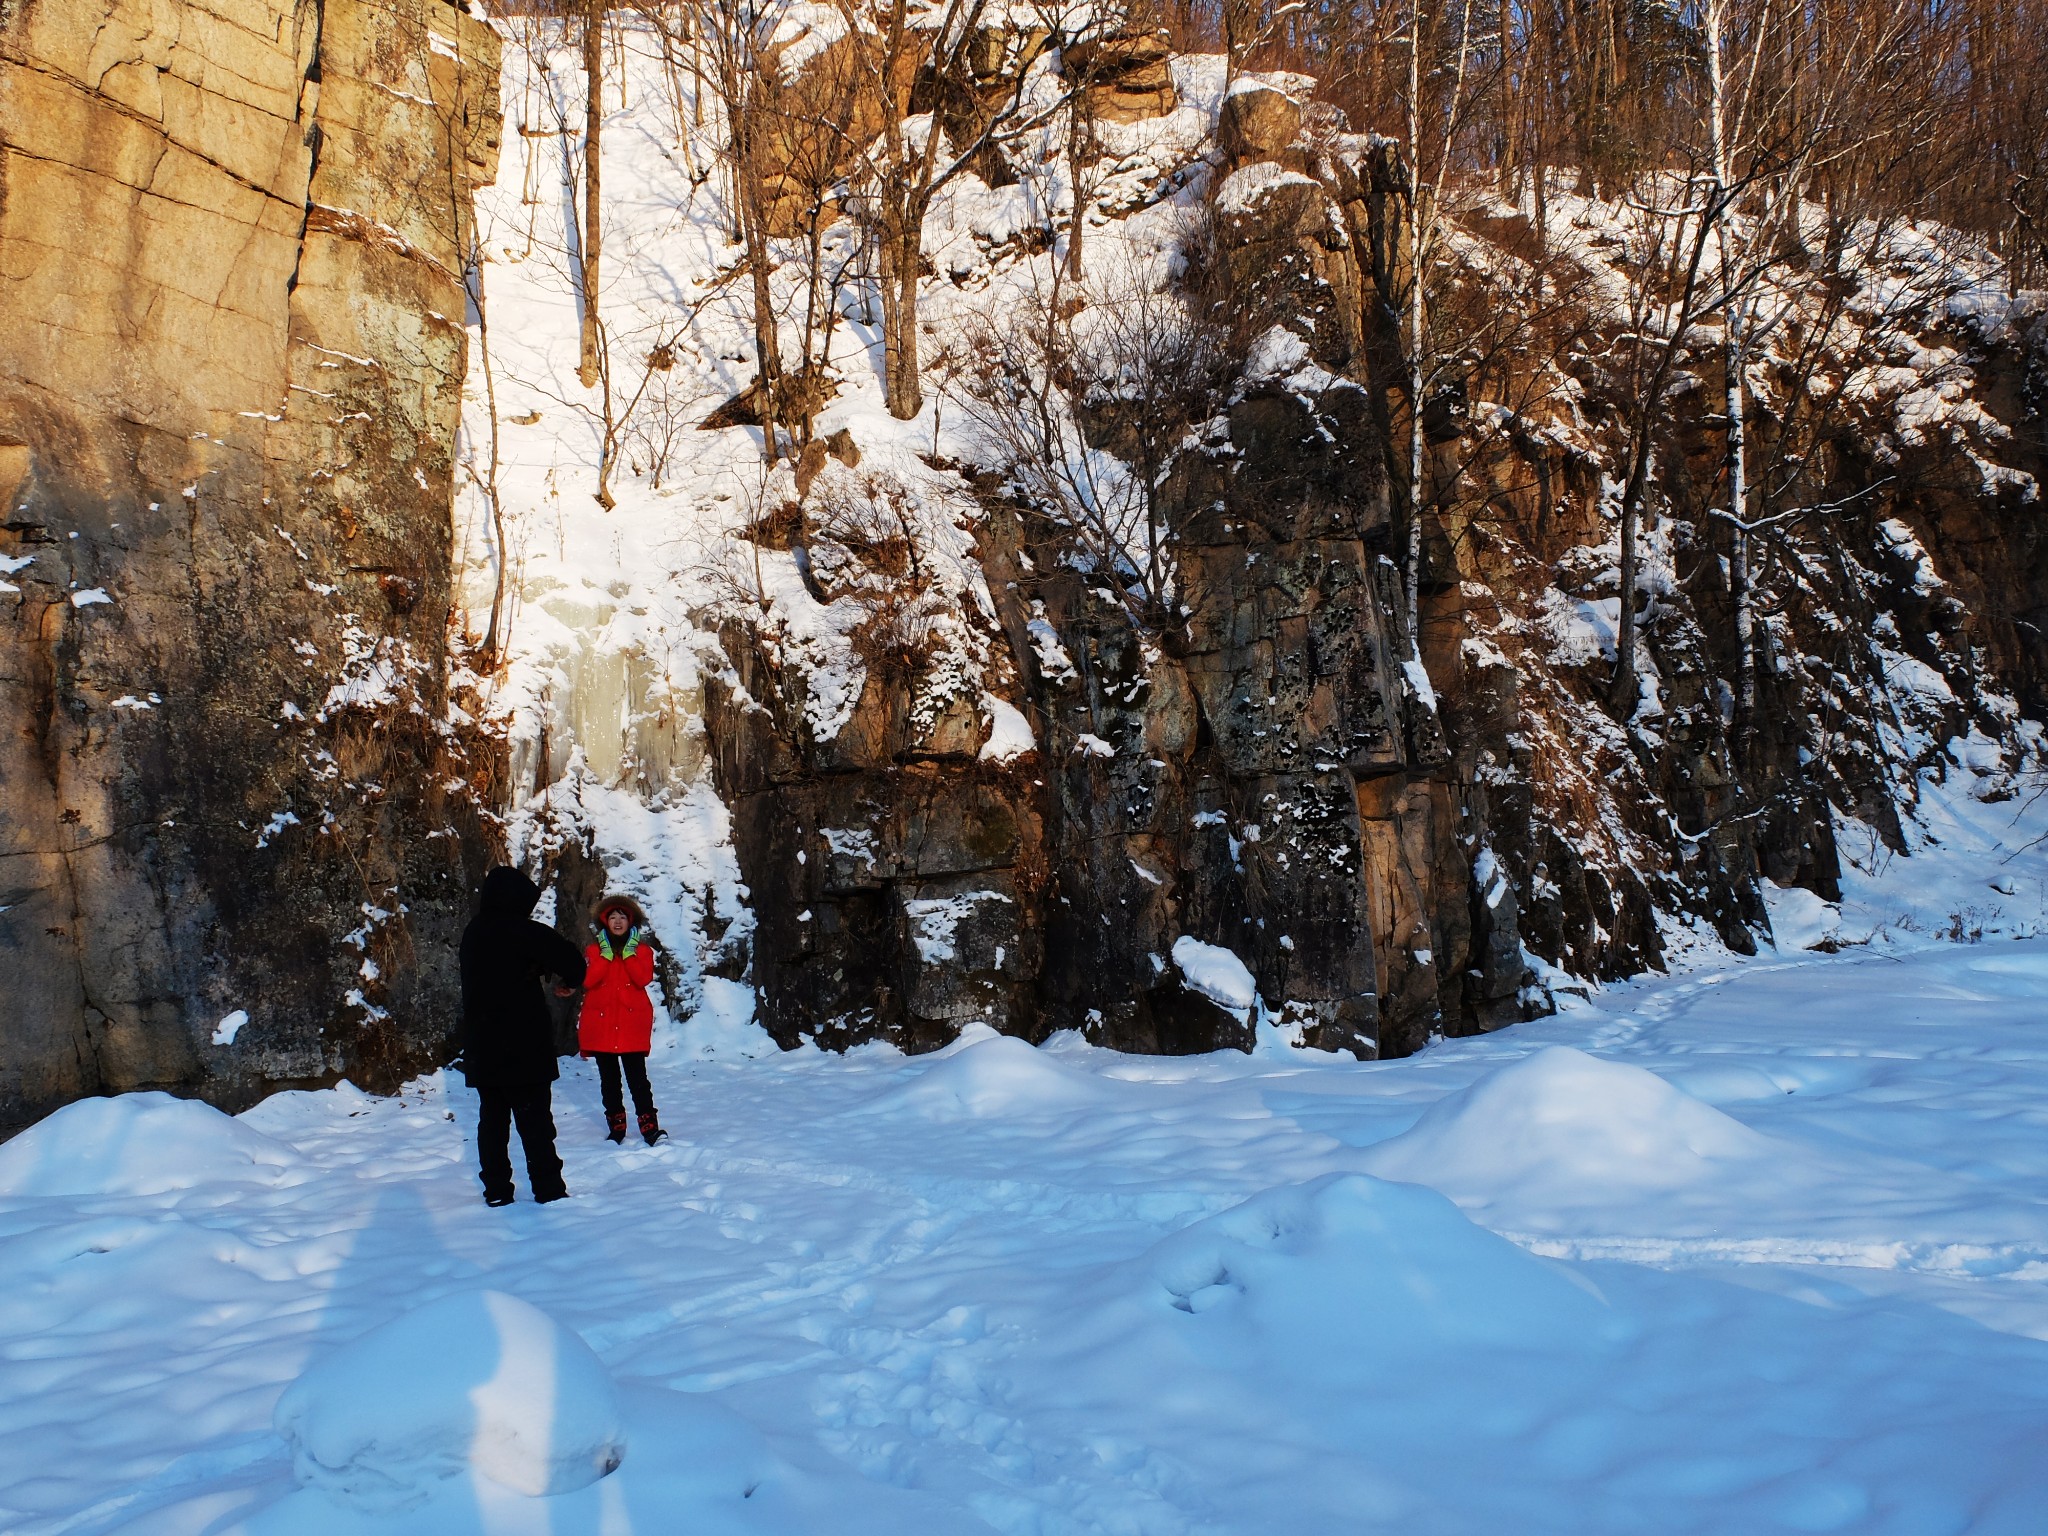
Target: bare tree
[1423,227]
[949,46]
[1088,423]
[813,125]
[1786,102]
[676,32]
[1675,216]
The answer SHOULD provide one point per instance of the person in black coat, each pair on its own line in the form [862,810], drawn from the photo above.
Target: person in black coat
[508,1035]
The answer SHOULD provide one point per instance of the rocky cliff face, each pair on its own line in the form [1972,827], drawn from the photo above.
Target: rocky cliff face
[1252,792]
[971,763]
[230,371]
[1390,834]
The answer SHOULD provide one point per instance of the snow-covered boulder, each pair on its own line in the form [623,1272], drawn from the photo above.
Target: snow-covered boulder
[478,1381]
[1258,120]
[139,1144]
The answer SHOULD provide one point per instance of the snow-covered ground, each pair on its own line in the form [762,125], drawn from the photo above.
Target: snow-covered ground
[1757,1248]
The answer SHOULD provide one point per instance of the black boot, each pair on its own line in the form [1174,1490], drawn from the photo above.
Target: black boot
[615,1124]
[650,1127]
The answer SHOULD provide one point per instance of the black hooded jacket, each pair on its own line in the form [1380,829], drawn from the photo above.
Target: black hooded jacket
[508,1035]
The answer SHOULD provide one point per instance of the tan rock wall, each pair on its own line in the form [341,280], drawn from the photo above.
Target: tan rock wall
[231,355]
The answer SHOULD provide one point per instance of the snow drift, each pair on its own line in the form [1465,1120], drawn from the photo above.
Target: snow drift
[986,1075]
[139,1144]
[1336,1277]
[1560,1126]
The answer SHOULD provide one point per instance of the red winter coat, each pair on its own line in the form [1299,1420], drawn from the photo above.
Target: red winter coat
[617,1015]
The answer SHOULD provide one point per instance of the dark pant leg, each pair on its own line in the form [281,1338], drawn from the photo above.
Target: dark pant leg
[535,1112]
[636,1078]
[494,1142]
[608,1082]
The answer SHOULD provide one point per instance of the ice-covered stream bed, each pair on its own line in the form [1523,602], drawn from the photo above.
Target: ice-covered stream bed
[1759,1248]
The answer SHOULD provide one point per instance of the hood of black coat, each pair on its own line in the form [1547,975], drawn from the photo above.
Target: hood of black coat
[509,893]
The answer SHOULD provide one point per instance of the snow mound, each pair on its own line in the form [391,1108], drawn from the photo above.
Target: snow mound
[1346,1272]
[722,1027]
[476,1381]
[1800,919]
[1731,1082]
[139,1144]
[996,1076]
[1557,1125]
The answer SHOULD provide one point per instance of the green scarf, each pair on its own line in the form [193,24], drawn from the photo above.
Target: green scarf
[629,945]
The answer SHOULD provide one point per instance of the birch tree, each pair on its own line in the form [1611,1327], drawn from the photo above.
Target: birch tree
[1133,367]
[588,364]
[1781,81]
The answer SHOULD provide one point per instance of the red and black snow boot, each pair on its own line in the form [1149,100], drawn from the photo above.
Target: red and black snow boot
[650,1127]
[615,1124]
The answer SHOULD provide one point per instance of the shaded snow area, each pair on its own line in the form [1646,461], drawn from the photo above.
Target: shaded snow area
[1761,1248]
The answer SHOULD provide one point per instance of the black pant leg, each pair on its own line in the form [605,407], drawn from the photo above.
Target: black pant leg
[494,1142]
[535,1113]
[636,1078]
[608,1082]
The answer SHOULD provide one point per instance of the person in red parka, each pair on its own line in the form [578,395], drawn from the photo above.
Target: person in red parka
[617,1022]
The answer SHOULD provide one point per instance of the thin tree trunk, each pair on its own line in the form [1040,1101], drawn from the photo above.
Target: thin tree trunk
[1627,692]
[1413,572]
[812,367]
[1421,236]
[1739,586]
[901,248]
[767,342]
[750,208]
[483,337]
[1736,405]
[608,444]
[1078,125]
[593,127]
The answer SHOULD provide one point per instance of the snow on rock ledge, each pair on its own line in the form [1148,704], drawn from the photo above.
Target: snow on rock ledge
[139,1144]
[1246,189]
[1217,974]
[479,1381]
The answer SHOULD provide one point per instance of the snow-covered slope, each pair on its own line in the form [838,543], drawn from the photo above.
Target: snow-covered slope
[610,614]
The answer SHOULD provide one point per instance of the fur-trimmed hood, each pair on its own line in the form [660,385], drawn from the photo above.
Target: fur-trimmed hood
[622,903]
